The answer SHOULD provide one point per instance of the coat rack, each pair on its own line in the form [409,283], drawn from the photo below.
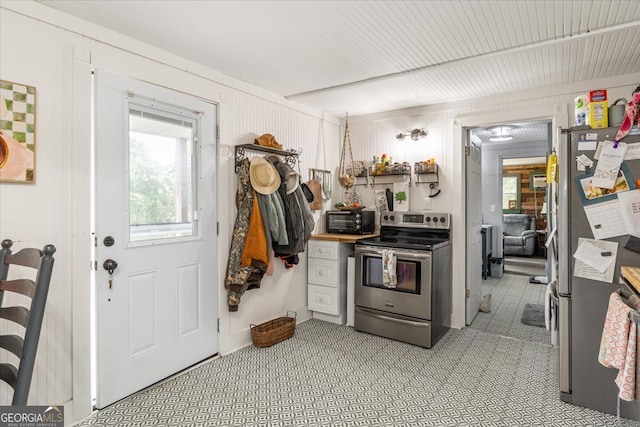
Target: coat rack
[290,156]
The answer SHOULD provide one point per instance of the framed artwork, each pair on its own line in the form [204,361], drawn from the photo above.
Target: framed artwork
[17,132]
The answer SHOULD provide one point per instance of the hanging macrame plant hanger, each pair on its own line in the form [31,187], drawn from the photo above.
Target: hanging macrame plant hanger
[346,171]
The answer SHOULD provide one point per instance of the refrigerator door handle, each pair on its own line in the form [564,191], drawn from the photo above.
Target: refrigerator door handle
[564,338]
[563,208]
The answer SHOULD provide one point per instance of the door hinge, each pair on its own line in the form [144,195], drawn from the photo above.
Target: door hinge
[217,228]
[94,266]
[218,325]
[468,293]
[95,241]
[217,133]
[467,150]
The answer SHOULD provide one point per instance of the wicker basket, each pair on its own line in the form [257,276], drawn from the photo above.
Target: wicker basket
[272,332]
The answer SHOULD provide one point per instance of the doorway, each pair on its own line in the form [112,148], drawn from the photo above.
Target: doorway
[155,232]
[500,143]
[524,193]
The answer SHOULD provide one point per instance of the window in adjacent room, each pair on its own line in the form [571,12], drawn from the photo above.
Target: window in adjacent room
[511,193]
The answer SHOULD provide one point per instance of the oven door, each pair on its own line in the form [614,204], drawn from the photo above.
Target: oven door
[412,294]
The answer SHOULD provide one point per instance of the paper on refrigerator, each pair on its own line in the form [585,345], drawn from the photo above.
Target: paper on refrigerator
[609,163]
[590,263]
[633,151]
[630,210]
[605,219]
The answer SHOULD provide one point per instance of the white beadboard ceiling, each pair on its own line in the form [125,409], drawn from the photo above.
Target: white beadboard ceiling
[533,131]
[371,56]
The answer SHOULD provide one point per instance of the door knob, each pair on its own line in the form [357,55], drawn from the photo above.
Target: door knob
[110,265]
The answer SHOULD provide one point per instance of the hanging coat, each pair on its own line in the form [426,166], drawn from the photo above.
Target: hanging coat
[298,217]
[237,275]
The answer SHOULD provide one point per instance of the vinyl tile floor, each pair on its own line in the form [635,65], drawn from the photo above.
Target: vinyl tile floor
[508,298]
[331,375]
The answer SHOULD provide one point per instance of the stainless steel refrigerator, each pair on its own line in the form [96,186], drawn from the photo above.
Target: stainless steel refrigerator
[583,301]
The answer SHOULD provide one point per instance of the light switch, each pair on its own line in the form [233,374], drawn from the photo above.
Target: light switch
[493,208]
[427,203]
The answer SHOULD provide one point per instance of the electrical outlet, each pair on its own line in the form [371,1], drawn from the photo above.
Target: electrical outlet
[427,203]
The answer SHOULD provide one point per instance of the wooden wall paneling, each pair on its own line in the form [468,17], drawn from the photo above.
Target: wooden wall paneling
[530,200]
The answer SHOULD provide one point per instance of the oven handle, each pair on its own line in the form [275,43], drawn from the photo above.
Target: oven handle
[399,254]
[389,318]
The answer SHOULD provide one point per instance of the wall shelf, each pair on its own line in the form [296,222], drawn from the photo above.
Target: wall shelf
[364,175]
[290,156]
[430,177]
[389,175]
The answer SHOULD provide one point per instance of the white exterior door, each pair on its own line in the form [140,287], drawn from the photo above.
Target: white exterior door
[474,232]
[154,213]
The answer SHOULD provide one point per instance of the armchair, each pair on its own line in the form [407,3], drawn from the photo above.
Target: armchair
[519,234]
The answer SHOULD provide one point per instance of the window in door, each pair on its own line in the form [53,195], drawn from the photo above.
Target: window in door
[162,167]
[511,193]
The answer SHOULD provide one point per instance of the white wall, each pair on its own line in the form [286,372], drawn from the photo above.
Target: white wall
[54,53]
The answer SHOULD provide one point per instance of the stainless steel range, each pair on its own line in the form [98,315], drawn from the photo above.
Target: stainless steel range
[403,278]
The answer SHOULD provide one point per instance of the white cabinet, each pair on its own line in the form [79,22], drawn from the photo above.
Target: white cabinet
[327,279]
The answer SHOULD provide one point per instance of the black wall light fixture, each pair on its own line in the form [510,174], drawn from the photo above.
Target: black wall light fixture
[415,134]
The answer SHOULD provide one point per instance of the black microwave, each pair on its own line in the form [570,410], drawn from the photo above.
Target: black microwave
[351,222]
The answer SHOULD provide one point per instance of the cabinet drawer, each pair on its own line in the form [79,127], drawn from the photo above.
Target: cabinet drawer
[322,272]
[324,250]
[323,299]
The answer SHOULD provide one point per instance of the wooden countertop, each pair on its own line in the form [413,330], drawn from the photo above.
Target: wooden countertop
[346,238]
[632,275]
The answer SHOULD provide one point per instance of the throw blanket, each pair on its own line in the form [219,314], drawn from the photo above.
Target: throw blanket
[618,347]
[389,278]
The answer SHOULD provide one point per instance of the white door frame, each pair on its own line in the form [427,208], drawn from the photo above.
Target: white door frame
[82,251]
[558,115]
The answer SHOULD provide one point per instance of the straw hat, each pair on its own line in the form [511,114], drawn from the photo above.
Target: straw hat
[263,176]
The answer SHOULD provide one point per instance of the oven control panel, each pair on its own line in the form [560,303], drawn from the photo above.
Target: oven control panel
[433,220]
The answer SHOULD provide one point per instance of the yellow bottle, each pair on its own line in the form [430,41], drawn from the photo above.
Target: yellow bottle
[552,168]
